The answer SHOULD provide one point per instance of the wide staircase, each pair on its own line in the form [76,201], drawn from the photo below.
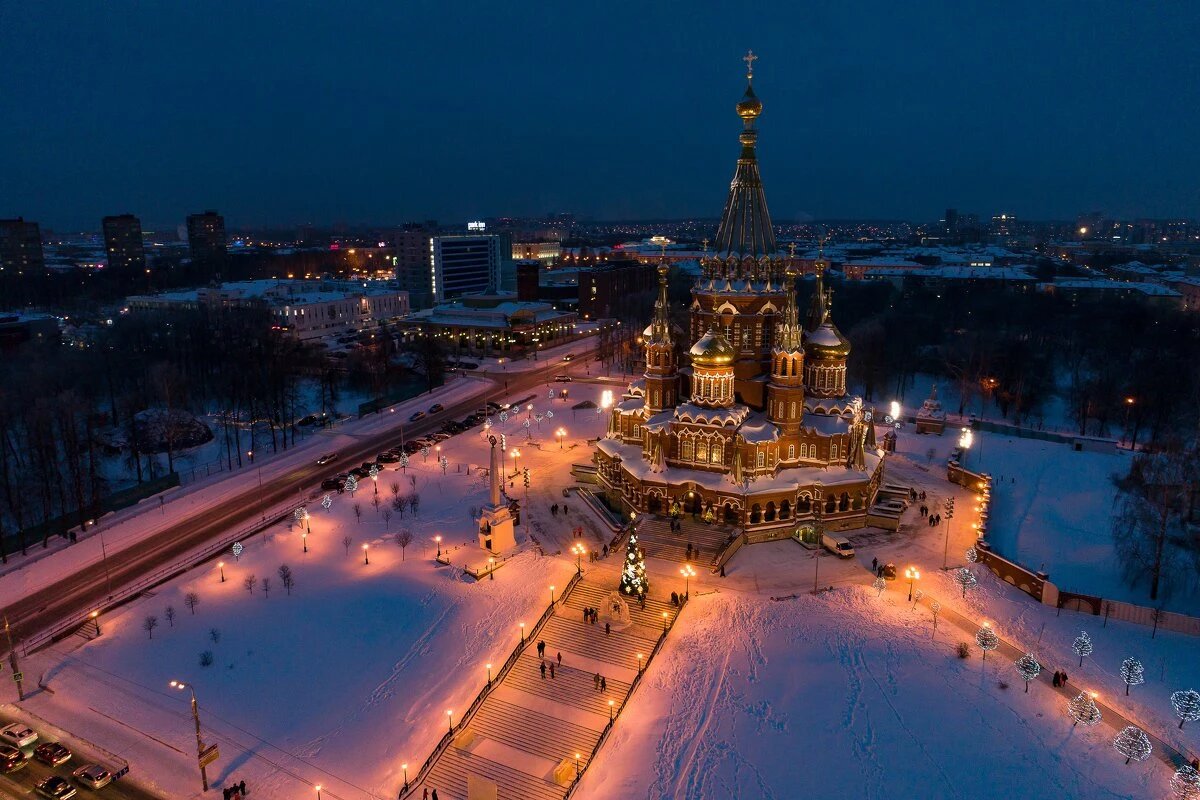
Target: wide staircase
[532,733]
[658,540]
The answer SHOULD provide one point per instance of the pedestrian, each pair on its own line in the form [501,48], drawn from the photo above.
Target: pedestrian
[603,684]
[434,795]
[425,794]
[939,519]
[551,670]
[225,793]
[560,659]
[606,551]
[1064,678]
[541,648]
[874,564]
[596,681]
[542,667]
[606,629]
[242,788]
[1054,680]
[595,616]
[585,615]
[722,570]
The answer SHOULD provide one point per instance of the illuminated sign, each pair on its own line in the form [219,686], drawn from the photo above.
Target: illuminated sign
[477,227]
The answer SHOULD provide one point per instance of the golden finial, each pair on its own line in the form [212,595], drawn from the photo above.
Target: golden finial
[792,249]
[749,58]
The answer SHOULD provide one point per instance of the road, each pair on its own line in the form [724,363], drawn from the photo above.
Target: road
[86,589]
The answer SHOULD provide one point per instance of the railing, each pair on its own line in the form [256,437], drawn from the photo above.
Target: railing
[465,720]
[637,679]
[154,579]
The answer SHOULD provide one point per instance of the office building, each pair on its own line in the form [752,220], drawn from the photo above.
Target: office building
[123,246]
[20,246]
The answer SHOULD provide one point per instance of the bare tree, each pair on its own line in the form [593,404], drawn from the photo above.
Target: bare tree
[358,513]
[287,578]
[400,504]
[170,615]
[191,600]
[214,634]
[149,624]
[395,487]
[346,542]
[404,539]
[387,519]
[375,502]
[249,583]
[414,500]
[266,586]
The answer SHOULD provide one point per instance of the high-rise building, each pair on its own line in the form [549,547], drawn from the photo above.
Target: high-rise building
[412,261]
[434,267]
[206,239]
[20,245]
[123,243]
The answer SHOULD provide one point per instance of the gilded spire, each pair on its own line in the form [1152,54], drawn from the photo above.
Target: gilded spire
[787,328]
[745,230]
[660,327]
[817,309]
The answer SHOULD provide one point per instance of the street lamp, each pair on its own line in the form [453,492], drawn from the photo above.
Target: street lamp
[304,538]
[438,539]
[405,768]
[639,657]
[491,568]
[577,757]
[552,594]
[913,575]
[96,619]
[664,622]
[366,558]
[180,685]
[610,710]
[688,573]
[561,432]
[489,672]
[318,788]
[515,455]
[221,566]
[450,719]
[578,550]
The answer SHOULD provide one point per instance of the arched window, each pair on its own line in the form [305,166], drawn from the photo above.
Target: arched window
[656,397]
[685,449]
[830,504]
[804,506]
[791,452]
[770,517]
[793,409]
[844,502]
[761,458]
[803,450]
[785,510]
[755,514]
[716,453]
[637,431]
[702,451]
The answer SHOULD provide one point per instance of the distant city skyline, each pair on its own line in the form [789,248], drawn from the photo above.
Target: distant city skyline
[377,114]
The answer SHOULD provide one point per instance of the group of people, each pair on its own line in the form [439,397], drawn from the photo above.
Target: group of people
[1060,678]
[678,598]
[592,615]
[554,509]
[934,520]
[601,684]
[235,791]
[692,552]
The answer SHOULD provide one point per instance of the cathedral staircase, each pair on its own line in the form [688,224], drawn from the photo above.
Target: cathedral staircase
[657,539]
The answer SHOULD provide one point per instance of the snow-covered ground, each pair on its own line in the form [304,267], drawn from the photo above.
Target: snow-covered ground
[845,695]
[350,676]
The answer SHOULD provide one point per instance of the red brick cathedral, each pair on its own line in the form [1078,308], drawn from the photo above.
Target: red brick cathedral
[751,426]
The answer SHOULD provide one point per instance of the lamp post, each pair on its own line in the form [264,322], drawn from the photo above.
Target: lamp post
[450,719]
[577,757]
[561,432]
[664,622]
[522,627]
[639,657]
[913,575]
[578,550]
[491,568]
[438,539]
[489,673]
[180,685]
[405,768]
[552,594]
[366,558]
[515,455]
[1129,401]
[610,711]
[688,573]
[95,615]
[318,788]
[221,566]
[304,538]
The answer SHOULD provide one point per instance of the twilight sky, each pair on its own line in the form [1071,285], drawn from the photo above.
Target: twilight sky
[288,112]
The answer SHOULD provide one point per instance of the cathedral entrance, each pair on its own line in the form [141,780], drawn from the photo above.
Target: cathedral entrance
[692,503]
[806,535]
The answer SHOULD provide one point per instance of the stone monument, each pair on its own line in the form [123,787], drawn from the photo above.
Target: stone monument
[496,531]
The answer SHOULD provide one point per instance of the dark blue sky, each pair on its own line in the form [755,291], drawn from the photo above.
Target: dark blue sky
[284,112]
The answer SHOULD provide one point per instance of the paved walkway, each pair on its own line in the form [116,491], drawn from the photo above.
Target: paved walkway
[1108,715]
[525,736]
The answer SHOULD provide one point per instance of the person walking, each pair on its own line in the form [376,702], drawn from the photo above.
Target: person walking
[606,629]
[603,685]
[596,681]
[551,670]
[425,794]
[874,564]
[242,788]
[542,667]
[560,659]
[541,648]
[434,795]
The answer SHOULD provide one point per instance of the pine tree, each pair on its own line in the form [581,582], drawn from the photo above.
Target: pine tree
[633,574]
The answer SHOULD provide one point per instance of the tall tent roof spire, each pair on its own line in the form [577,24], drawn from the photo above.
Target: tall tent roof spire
[745,229]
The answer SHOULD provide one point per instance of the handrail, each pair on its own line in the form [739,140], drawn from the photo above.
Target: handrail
[509,662]
[637,679]
[161,576]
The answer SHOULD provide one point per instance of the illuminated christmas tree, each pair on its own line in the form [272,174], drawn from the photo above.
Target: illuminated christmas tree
[633,574]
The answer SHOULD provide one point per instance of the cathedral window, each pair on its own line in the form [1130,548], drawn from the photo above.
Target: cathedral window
[701,451]
[656,397]
[791,452]
[761,458]
[637,431]
[686,449]
[716,453]
[793,411]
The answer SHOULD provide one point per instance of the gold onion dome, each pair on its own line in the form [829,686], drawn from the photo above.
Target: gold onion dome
[712,350]
[749,107]
[826,342]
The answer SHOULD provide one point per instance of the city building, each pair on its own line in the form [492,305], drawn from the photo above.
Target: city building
[490,324]
[123,245]
[434,268]
[20,246]
[412,261]
[538,251]
[16,329]
[206,239]
[301,309]
[603,288]
[752,425]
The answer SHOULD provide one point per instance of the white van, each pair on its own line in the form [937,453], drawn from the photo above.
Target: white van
[837,545]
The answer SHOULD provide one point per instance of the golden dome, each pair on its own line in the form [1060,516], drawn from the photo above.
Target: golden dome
[712,350]
[750,106]
[827,343]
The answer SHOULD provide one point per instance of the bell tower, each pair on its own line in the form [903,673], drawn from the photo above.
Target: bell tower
[662,382]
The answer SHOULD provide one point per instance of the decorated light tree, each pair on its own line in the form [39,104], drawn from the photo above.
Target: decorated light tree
[880,584]
[1132,673]
[633,574]
[1185,783]
[965,579]
[1083,709]
[1133,743]
[1187,705]
[1082,646]
[1028,668]
[987,639]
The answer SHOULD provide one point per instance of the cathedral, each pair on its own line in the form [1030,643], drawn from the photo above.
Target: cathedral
[751,425]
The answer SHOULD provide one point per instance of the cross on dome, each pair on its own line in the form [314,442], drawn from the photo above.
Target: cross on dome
[749,58]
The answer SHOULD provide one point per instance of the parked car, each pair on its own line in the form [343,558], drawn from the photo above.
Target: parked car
[436,408]
[416,415]
[837,545]
[18,734]
[411,447]
[562,378]
[327,458]
[93,776]
[493,405]
[52,753]
[331,484]
[11,759]
[387,458]
[56,788]
[439,437]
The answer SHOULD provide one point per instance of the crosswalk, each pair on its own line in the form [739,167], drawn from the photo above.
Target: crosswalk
[533,733]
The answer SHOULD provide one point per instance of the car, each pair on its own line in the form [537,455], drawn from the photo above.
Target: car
[837,545]
[359,473]
[12,759]
[439,437]
[411,447]
[416,415]
[18,734]
[562,378]
[568,357]
[93,776]
[493,405]
[56,788]
[52,753]
[436,407]
[331,485]
[387,458]
[326,459]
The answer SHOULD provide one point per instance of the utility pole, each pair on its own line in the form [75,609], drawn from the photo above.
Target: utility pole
[12,661]
[204,755]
